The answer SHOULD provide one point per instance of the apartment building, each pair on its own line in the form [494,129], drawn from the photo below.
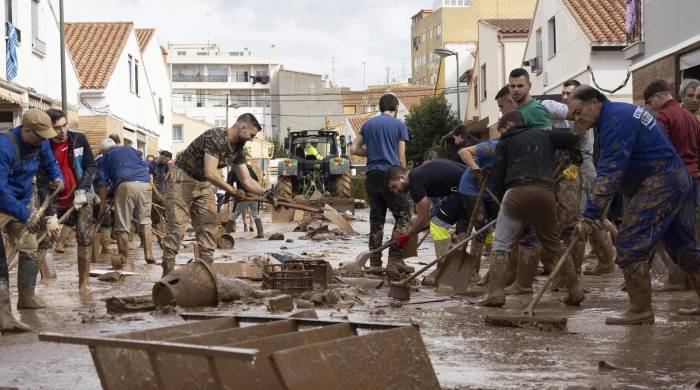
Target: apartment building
[453,24]
[216,86]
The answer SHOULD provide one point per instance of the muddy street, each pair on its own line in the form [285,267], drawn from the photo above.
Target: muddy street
[465,353]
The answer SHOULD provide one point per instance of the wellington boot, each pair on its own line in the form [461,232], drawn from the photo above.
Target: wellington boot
[8,323]
[578,254]
[168,265]
[27,271]
[95,249]
[477,250]
[84,267]
[62,238]
[259,228]
[106,240]
[230,226]
[393,272]
[526,271]
[47,268]
[375,263]
[512,266]
[602,246]
[676,276]
[148,245]
[123,245]
[400,265]
[497,276]
[695,311]
[568,275]
[638,284]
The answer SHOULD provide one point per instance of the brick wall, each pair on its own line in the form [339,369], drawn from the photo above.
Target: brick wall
[664,68]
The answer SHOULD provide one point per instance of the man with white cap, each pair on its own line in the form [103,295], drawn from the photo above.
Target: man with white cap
[23,150]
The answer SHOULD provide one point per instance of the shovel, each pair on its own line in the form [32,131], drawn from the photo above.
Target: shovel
[361,259]
[401,291]
[528,319]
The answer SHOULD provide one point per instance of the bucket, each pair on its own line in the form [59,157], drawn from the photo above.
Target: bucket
[225,241]
[193,284]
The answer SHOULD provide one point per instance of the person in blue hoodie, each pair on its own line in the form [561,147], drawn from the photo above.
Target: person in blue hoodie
[23,151]
[637,158]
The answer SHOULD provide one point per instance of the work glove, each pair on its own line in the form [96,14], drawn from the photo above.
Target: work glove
[33,223]
[587,226]
[271,196]
[53,228]
[92,198]
[401,240]
[79,199]
[56,184]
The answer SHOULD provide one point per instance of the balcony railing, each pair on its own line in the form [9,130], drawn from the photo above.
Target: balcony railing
[200,78]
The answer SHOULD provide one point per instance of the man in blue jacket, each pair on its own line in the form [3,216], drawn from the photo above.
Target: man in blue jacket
[124,176]
[23,150]
[637,158]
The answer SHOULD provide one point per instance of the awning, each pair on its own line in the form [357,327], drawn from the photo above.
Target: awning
[690,60]
[11,97]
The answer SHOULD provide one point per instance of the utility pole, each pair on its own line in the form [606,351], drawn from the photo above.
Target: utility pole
[364,74]
[64,93]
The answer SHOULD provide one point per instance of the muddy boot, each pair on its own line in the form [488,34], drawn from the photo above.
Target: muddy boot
[148,245]
[401,266]
[230,226]
[84,267]
[62,237]
[569,278]
[441,246]
[676,276]
[375,263]
[512,266]
[526,271]
[578,254]
[477,250]
[259,228]
[47,268]
[27,271]
[497,277]
[638,283]
[602,246]
[95,249]
[124,262]
[106,240]
[695,311]
[168,265]
[8,323]
[393,272]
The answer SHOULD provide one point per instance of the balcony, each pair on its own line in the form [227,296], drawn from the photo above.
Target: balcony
[184,78]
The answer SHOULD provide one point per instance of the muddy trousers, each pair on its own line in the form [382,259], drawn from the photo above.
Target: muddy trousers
[663,208]
[382,199]
[28,265]
[188,200]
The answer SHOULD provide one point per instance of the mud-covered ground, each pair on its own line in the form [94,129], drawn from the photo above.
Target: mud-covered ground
[465,353]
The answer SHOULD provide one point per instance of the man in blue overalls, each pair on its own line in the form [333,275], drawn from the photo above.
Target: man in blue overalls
[637,158]
[23,150]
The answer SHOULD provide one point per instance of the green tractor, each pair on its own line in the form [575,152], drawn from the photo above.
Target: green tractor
[316,161]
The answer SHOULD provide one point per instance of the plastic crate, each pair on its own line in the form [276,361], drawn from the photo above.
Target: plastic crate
[322,272]
[290,278]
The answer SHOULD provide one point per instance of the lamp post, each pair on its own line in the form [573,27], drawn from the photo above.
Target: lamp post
[444,52]
[232,105]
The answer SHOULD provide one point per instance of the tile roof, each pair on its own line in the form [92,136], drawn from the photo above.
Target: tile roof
[95,48]
[520,26]
[412,96]
[356,121]
[603,21]
[143,36]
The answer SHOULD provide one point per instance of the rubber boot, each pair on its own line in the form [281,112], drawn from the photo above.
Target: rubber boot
[8,323]
[695,311]
[27,271]
[496,296]
[62,237]
[400,265]
[676,276]
[392,270]
[168,265]
[441,247]
[47,269]
[95,249]
[526,271]
[106,240]
[230,226]
[512,266]
[259,228]
[638,284]
[477,250]
[84,267]
[148,245]
[568,276]
[123,244]
[578,254]
[602,246]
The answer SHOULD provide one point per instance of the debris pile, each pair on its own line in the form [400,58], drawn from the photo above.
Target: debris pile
[319,231]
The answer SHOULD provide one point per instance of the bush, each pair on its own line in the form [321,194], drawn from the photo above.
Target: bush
[357,188]
[427,123]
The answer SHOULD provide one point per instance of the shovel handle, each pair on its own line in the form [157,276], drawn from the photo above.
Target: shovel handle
[289,205]
[530,310]
[454,248]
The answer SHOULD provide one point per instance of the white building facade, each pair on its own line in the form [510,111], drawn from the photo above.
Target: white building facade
[216,86]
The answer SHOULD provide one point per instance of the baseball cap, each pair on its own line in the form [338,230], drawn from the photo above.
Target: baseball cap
[39,121]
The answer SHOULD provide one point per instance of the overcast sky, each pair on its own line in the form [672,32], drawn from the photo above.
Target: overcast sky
[306,33]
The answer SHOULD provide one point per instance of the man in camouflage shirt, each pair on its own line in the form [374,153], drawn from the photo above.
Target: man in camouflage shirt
[190,186]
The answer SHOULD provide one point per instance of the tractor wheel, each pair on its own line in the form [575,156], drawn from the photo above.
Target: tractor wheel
[343,188]
[284,187]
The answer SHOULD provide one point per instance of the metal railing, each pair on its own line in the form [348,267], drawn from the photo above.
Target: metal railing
[200,78]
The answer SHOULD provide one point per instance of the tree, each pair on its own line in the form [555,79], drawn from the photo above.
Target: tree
[427,123]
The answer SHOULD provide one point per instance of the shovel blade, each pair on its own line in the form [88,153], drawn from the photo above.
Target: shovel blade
[332,215]
[457,270]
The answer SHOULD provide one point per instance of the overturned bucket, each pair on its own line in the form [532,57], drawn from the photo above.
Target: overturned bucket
[193,284]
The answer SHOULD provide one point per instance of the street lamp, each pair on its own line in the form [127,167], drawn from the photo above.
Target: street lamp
[232,105]
[444,52]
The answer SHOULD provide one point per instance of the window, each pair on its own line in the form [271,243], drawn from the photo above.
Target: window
[537,67]
[161,117]
[476,91]
[200,98]
[177,132]
[38,45]
[136,76]
[422,38]
[202,53]
[131,74]
[220,122]
[187,97]
[430,34]
[552,37]
[438,30]
[239,76]
[483,82]
[181,53]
